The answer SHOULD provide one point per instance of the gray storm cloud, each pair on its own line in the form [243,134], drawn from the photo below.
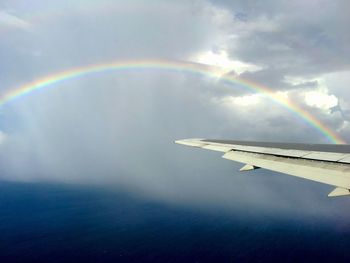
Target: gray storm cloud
[118,128]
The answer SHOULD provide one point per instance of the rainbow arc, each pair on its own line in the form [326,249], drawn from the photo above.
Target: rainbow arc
[78,72]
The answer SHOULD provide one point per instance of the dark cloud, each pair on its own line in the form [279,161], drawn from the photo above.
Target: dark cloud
[301,39]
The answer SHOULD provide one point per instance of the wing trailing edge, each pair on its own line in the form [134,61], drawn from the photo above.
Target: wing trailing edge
[328,164]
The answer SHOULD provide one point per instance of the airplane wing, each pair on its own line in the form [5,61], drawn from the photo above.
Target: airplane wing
[324,163]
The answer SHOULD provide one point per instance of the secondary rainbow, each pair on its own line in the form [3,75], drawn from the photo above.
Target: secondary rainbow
[56,78]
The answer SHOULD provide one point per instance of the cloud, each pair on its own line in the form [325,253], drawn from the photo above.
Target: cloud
[320,99]
[9,20]
[286,40]
[220,60]
[117,128]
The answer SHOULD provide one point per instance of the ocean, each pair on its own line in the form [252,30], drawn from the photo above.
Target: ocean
[68,223]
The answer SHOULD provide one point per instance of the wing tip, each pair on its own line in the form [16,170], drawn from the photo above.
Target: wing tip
[195,142]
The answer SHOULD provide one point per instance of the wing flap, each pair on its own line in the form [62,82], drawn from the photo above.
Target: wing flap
[346,159]
[248,167]
[334,157]
[323,172]
[274,151]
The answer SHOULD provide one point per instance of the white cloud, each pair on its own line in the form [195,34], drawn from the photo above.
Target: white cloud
[222,61]
[338,83]
[10,20]
[320,99]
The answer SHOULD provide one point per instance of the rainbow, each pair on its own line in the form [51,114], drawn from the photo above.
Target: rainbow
[181,66]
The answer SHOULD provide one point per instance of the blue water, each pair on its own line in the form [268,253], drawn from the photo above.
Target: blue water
[60,223]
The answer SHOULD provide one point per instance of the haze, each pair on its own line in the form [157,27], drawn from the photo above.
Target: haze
[117,128]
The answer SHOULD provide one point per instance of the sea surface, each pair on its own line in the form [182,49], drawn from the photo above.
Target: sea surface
[65,223]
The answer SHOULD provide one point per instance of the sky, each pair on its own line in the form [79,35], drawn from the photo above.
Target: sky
[117,128]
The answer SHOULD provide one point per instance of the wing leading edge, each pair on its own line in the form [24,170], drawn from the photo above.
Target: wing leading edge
[324,163]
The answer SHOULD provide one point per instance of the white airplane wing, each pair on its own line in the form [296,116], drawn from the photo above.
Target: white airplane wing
[324,163]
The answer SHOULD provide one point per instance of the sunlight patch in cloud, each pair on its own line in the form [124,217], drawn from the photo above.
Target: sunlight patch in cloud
[222,61]
[320,99]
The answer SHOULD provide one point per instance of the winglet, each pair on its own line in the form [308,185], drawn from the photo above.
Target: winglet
[339,192]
